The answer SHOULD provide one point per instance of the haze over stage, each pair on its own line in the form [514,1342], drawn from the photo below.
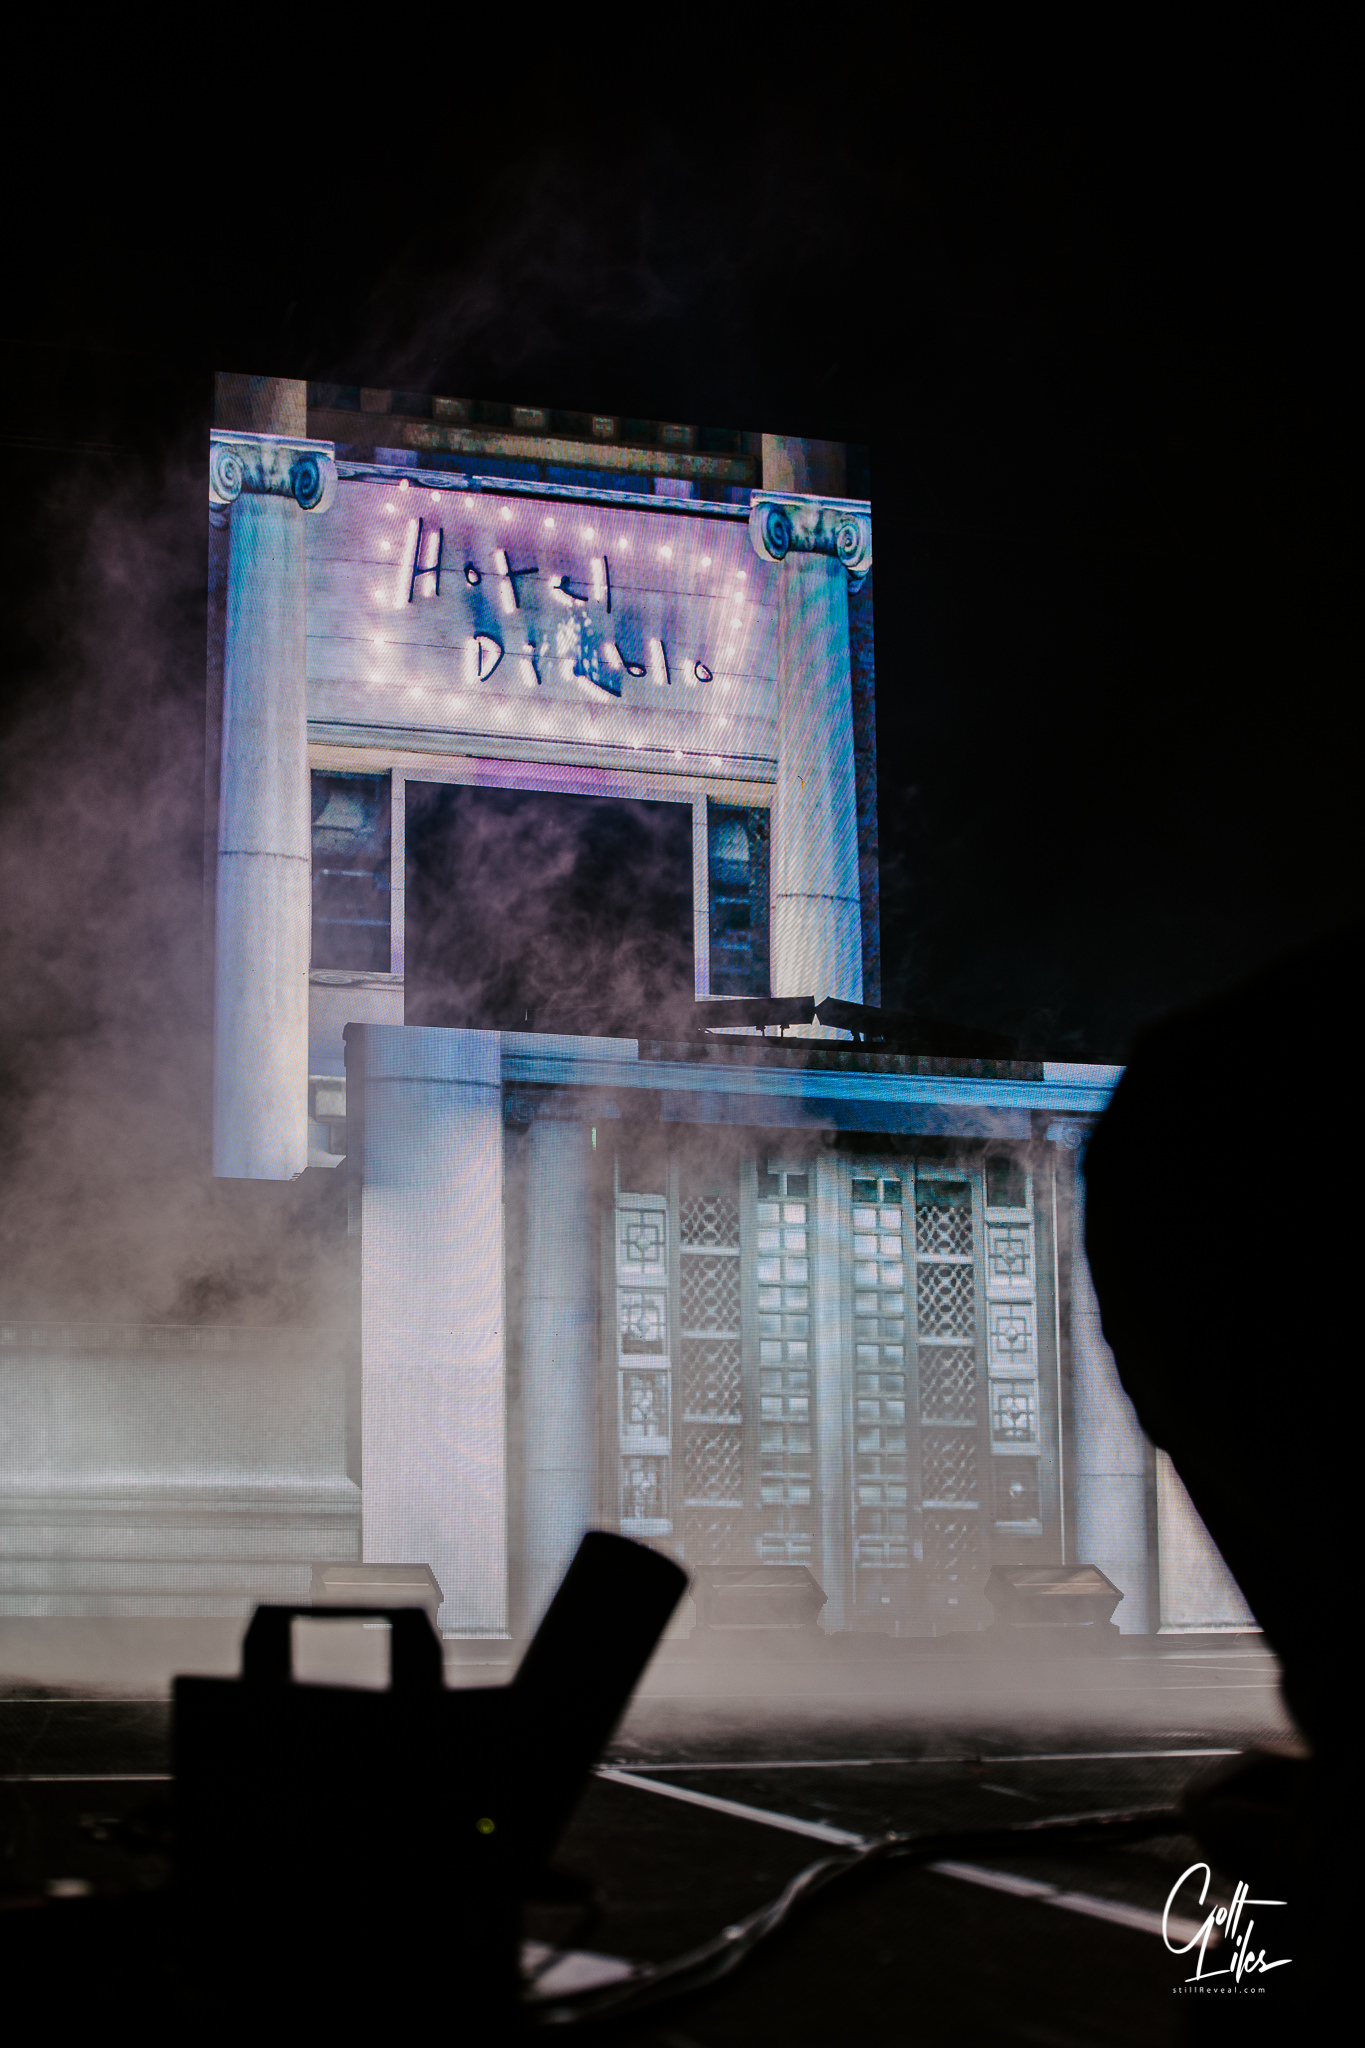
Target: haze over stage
[1012,1939]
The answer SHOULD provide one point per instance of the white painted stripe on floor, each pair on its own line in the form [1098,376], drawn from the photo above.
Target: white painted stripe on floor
[818,1830]
[1141,1918]
[86,1778]
[1096,1756]
[803,1763]
[862,1763]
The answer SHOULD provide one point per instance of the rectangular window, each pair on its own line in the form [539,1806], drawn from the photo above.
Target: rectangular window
[351,878]
[1006,1184]
[737,892]
[1016,1491]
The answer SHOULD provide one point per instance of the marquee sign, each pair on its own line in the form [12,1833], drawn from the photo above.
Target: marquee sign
[554,621]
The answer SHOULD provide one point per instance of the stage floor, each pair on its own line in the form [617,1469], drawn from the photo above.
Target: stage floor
[731,1775]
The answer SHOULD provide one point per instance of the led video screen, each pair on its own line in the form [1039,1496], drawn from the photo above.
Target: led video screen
[543,739]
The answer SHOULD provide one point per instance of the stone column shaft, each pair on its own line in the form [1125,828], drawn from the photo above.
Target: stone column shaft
[560,1372]
[816,942]
[264,923]
[428,1163]
[825,547]
[1110,1450]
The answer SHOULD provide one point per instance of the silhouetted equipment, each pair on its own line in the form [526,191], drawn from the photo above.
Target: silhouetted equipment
[760,1013]
[370,1827]
[904,1032]
[758,1597]
[396,1585]
[879,1030]
[1051,1596]
[583,1664]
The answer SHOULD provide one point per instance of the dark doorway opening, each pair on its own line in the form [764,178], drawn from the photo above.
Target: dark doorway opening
[533,912]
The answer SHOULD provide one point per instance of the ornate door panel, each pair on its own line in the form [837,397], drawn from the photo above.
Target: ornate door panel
[731,1394]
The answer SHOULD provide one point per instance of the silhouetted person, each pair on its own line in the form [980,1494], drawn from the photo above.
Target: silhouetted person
[1223,1186]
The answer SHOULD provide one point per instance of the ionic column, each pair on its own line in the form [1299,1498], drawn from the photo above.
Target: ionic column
[816,921]
[264,910]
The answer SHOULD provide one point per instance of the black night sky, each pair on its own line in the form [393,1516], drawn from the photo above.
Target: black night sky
[1084,293]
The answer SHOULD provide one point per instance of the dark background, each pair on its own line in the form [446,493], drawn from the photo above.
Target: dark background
[1084,288]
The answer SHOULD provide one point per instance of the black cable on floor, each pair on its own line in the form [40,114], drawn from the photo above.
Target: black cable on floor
[699,1967]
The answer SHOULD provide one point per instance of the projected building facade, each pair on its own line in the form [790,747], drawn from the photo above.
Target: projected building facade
[782,1304]
[743,1299]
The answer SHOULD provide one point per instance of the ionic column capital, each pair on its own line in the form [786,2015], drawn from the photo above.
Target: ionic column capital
[271,466]
[785,523]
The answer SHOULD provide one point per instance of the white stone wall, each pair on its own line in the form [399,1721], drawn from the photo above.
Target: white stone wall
[168,1471]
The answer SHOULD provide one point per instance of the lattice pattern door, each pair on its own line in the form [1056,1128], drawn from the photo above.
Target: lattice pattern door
[786,1429]
[882,1540]
[711,1369]
[644,1366]
[949,1388]
[936,1291]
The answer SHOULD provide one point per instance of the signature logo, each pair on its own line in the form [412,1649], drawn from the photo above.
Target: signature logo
[1221,1925]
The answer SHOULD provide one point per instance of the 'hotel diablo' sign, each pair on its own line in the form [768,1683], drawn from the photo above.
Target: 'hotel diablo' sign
[439,607]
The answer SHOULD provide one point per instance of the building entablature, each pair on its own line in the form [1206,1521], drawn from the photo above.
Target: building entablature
[966,1105]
